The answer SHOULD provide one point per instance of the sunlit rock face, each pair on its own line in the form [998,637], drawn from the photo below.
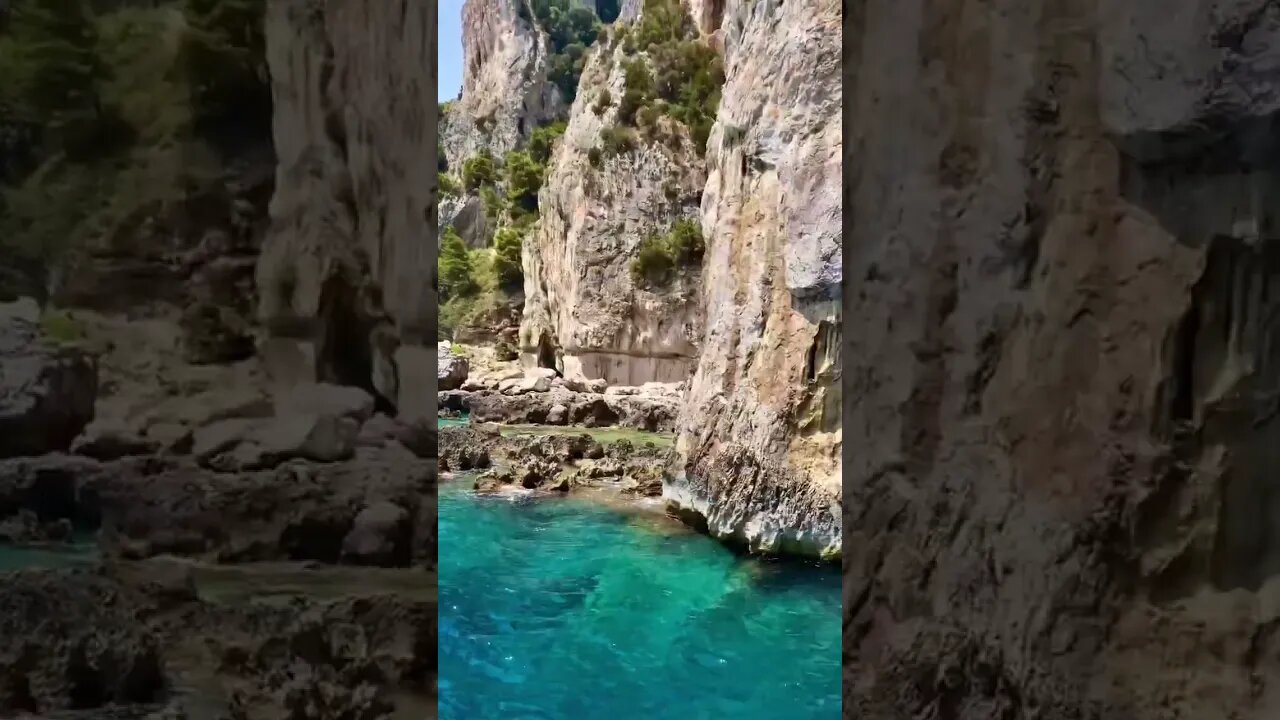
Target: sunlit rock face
[760,428]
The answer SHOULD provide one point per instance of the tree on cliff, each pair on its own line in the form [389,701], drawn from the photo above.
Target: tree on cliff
[454,267]
[224,54]
[51,77]
[524,179]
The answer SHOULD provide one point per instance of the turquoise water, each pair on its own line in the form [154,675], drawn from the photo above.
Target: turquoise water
[82,551]
[568,610]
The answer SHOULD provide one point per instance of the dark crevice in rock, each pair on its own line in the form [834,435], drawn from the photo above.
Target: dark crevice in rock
[344,352]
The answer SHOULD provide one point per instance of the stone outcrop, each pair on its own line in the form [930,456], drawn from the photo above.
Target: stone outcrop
[1060,502]
[505,91]
[558,406]
[70,643]
[760,424]
[554,463]
[451,369]
[346,271]
[47,390]
[584,313]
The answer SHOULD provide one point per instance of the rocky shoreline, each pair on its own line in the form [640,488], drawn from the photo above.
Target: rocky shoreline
[552,463]
[256,552]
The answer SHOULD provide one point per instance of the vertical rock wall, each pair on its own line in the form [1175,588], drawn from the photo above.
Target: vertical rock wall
[580,297]
[760,427]
[1060,404]
[348,265]
[505,92]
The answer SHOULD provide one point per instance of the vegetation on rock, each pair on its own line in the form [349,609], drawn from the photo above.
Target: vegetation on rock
[479,170]
[112,113]
[672,72]
[454,267]
[661,256]
[543,140]
[571,29]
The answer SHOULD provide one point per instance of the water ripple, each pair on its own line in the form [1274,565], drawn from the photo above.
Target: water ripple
[561,610]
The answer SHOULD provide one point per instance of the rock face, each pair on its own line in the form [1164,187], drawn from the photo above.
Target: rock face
[1060,342]
[760,425]
[505,91]
[47,391]
[347,266]
[71,643]
[583,311]
[451,370]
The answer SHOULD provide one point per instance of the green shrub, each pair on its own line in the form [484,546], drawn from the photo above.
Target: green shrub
[653,264]
[523,180]
[60,327]
[543,140]
[479,170]
[617,141]
[507,245]
[660,256]
[453,314]
[603,101]
[448,186]
[685,242]
[594,157]
[571,29]
[454,267]
[686,75]
[494,206]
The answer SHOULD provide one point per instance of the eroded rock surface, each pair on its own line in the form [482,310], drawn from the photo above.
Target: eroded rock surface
[505,90]
[584,313]
[346,268]
[1060,357]
[760,424]
[47,390]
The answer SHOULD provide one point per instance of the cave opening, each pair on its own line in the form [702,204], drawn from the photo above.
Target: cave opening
[344,348]
[546,353]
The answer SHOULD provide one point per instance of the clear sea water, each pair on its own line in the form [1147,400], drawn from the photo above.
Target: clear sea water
[570,610]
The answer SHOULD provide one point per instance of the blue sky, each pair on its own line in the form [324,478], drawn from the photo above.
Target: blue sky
[450,44]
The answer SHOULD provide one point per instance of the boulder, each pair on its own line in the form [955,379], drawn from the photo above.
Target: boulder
[379,536]
[326,399]
[47,390]
[102,441]
[319,438]
[541,372]
[220,436]
[451,369]
[558,414]
[322,438]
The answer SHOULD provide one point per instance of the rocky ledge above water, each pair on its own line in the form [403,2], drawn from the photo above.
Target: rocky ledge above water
[559,463]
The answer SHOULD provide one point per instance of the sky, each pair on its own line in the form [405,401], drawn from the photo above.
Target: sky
[450,44]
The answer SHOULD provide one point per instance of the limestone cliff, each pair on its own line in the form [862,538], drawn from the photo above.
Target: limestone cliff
[345,275]
[582,302]
[688,231]
[1059,350]
[505,91]
[760,427]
